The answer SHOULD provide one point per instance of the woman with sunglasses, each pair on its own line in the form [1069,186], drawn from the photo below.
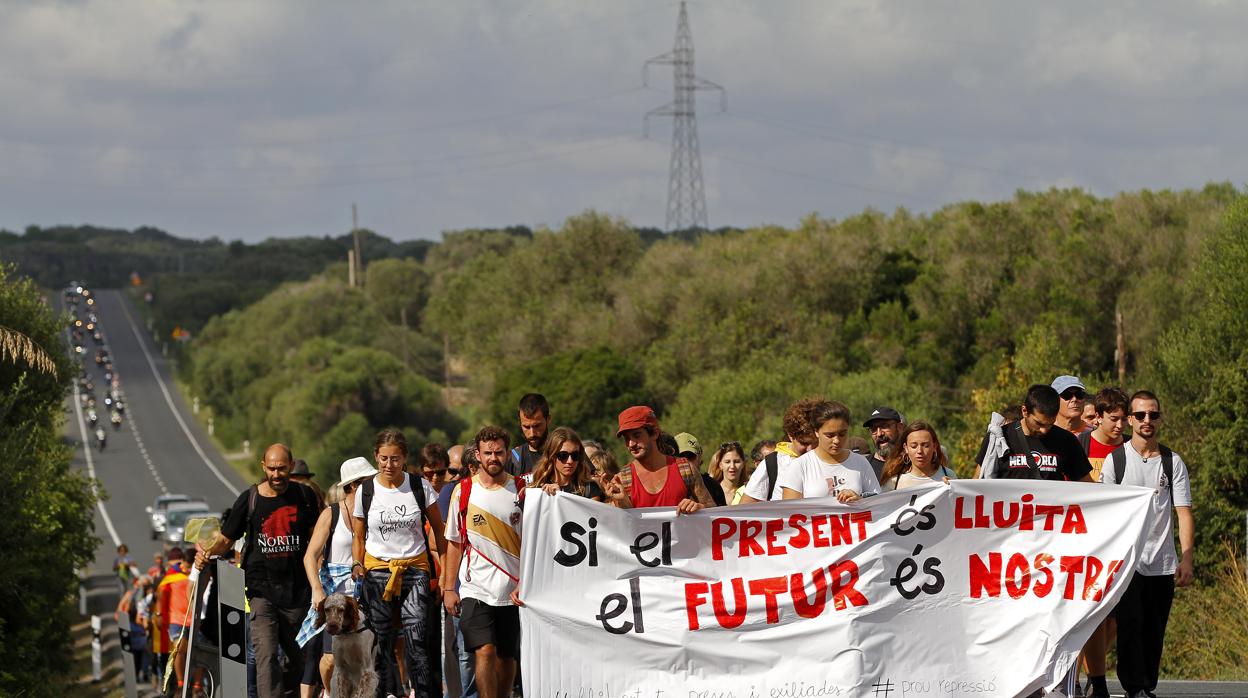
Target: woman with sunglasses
[564,467]
[731,470]
[328,566]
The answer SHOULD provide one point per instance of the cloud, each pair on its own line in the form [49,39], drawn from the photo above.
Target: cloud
[244,119]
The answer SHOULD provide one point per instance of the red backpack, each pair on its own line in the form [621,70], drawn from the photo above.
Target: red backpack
[465,491]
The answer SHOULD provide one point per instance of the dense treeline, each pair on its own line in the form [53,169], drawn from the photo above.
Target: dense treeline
[322,366]
[191,280]
[946,316]
[46,527]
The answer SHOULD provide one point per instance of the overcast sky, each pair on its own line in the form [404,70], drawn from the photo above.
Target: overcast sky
[270,117]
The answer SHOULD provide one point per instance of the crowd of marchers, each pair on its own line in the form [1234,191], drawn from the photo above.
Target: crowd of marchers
[402,579]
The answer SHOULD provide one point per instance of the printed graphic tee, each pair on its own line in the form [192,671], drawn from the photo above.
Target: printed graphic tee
[280,528]
[813,477]
[1055,456]
[491,565]
[394,520]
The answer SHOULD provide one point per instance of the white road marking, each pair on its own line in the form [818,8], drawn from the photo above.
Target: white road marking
[143,450]
[169,400]
[86,450]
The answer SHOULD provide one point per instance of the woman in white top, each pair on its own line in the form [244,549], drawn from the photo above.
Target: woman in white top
[392,563]
[328,566]
[920,459]
[830,468]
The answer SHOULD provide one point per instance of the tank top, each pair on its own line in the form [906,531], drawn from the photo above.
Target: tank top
[340,541]
[673,490]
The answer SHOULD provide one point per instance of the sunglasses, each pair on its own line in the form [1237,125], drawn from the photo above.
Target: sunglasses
[1074,394]
[1146,416]
[730,444]
[438,472]
[454,472]
[565,456]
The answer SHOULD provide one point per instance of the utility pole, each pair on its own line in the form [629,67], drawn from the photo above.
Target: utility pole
[686,198]
[358,276]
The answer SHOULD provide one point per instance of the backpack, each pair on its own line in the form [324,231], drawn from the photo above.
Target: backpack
[368,489]
[253,493]
[687,473]
[465,491]
[772,461]
[1119,457]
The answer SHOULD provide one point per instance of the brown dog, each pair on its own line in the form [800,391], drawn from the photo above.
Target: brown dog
[354,650]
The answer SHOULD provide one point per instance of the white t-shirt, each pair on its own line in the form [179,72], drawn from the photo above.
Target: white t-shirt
[812,477]
[758,483]
[1158,557]
[493,550]
[906,479]
[394,521]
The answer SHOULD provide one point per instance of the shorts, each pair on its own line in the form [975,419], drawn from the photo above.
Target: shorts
[482,624]
[174,631]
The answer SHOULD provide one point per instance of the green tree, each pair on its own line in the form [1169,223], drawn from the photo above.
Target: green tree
[587,390]
[48,508]
[1202,375]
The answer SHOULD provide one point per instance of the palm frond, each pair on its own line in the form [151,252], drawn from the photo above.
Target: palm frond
[18,347]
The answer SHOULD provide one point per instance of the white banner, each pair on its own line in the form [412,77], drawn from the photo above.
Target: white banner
[979,587]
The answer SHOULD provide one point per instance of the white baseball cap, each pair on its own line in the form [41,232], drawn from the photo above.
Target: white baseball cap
[354,469]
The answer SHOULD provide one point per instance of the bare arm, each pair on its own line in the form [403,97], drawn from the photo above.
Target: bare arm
[357,546]
[316,552]
[450,570]
[700,493]
[439,538]
[1186,573]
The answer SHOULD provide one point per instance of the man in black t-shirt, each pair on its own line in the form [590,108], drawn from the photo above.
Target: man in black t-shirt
[1035,448]
[277,517]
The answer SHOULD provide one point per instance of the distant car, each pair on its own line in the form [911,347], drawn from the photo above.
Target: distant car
[157,511]
[176,517]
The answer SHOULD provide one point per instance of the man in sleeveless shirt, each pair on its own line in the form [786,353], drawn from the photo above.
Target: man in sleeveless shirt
[653,479]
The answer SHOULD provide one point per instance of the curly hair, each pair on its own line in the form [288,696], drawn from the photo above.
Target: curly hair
[490,432]
[797,422]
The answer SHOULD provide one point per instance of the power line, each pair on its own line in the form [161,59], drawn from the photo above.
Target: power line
[336,139]
[556,151]
[895,147]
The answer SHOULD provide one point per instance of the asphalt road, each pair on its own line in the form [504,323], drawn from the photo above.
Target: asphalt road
[160,447]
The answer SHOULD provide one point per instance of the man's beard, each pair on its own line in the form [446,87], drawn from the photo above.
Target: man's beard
[884,449]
